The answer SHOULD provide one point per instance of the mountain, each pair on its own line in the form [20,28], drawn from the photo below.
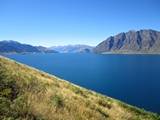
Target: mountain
[10,46]
[73,49]
[13,46]
[29,94]
[45,50]
[142,41]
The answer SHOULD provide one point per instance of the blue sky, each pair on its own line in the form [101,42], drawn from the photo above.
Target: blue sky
[61,22]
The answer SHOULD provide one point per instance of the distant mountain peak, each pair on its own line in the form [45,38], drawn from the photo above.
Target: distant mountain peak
[9,41]
[77,48]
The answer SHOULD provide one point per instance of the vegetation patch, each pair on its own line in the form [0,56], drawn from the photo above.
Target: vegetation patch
[57,101]
[8,87]
[140,112]
[78,91]
[104,103]
[102,112]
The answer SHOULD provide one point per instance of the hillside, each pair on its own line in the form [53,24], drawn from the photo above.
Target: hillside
[142,41]
[29,94]
[10,46]
[73,48]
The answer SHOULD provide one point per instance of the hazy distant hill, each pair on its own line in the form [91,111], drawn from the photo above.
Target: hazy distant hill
[143,41]
[45,50]
[73,49]
[10,46]
[29,94]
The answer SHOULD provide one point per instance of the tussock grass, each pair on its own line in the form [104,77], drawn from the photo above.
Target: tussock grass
[29,94]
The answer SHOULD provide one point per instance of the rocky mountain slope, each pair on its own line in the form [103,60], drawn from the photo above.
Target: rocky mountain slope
[142,41]
[29,94]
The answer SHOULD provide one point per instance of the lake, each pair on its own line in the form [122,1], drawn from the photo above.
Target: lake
[134,79]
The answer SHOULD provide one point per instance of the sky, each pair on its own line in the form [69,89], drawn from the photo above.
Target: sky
[62,22]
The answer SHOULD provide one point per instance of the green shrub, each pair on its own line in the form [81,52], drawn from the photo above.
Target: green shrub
[4,106]
[8,87]
[57,101]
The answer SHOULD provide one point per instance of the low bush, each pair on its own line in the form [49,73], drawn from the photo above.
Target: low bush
[57,101]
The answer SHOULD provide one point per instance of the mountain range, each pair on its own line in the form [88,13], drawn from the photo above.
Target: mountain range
[73,48]
[10,46]
[142,41]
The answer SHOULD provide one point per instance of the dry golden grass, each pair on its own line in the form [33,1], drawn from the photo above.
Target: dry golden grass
[45,97]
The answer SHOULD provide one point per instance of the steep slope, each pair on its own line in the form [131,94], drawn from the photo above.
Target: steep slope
[29,94]
[143,41]
[73,49]
[10,46]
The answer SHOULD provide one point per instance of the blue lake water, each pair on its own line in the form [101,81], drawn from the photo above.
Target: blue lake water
[134,79]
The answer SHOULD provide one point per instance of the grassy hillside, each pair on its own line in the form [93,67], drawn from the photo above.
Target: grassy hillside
[29,94]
